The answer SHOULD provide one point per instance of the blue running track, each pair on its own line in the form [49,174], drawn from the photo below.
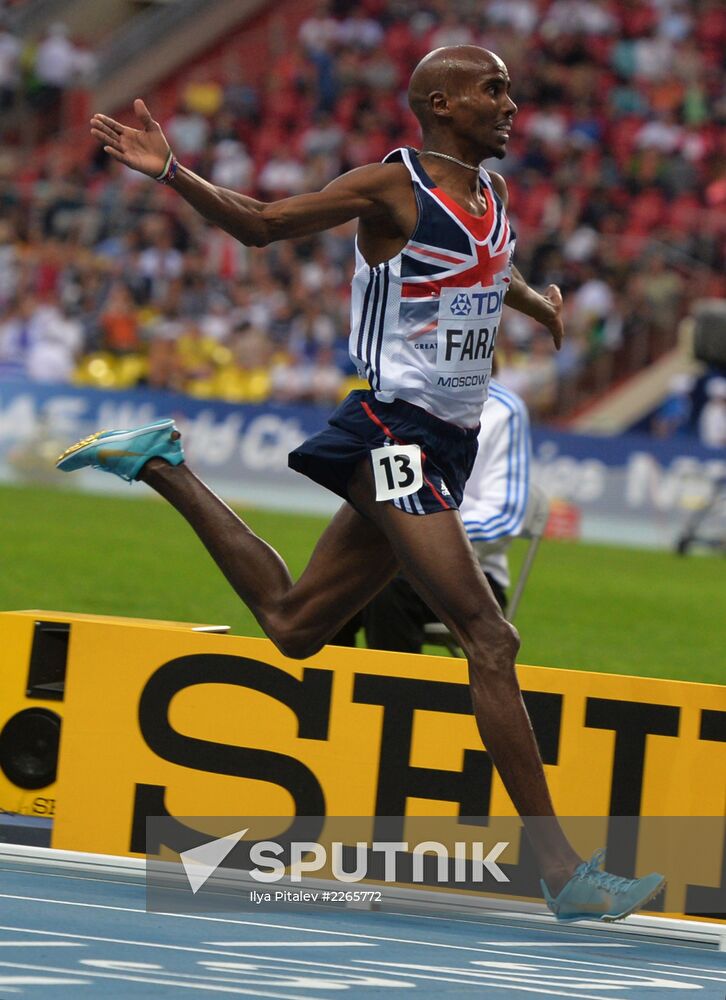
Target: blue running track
[67,935]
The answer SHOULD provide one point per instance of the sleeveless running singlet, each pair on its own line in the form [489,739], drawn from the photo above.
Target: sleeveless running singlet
[423,324]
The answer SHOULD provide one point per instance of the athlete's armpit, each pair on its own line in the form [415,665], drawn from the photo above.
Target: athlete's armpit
[368,193]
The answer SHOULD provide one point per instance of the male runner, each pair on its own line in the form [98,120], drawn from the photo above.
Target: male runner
[433,255]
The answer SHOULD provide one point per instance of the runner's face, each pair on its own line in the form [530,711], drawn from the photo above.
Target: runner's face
[485,110]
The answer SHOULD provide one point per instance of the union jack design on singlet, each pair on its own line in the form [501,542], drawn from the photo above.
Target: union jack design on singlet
[423,324]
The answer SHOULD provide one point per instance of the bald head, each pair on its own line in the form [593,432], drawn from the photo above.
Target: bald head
[447,70]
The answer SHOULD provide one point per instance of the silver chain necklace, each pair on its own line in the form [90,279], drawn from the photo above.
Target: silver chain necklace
[445,156]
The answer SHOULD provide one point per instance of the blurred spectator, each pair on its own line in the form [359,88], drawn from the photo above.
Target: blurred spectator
[43,342]
[160,263]
[58,64]
[712,421]
[231,165]
[10,49]
[451,30]
[674,413]
[55,62]
[164,331]
[202,95]
[662,288]
[574,17]
[9,262]
[281,176]
[320,31]
[119,322]
[359,31]
[188,131]
[56,340]
[615,169]
[15,334]
[520,15]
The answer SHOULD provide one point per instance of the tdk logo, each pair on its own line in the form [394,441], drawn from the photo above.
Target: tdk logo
[460,305]
[477,303]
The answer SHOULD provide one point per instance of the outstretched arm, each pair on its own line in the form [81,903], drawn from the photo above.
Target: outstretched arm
[358,194]
[545,308]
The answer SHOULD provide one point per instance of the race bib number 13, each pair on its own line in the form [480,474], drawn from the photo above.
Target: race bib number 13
[397,470]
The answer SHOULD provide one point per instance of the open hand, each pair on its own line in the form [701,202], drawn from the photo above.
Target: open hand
[144,149]
[555,324]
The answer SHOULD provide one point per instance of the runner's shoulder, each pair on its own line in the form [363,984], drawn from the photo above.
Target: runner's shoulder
[499,185]
[381,177]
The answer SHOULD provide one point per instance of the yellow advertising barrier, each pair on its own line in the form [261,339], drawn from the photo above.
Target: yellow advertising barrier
[33,663]
[160,720]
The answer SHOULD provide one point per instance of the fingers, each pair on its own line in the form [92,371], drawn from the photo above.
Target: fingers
[103,133]
[103,121]
[557,332]
[553,293]
[143,113]
[115,153]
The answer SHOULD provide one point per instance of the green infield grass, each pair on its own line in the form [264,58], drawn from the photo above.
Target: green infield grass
[588,607]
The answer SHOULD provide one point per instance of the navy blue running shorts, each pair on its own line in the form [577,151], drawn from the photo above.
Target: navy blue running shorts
[362,424]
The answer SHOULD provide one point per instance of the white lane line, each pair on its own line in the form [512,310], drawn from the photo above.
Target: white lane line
[272,963]
[469,977]
[8,983]
[40,944]
[679,965]
[296,963]
[693,974]
[242,923]
[508,923]
[533,978]
[138,880]
[462,977]
[308,930]
[513,921]
[431,974]
[181,947]
[177,982]
[561,944]
[308,944]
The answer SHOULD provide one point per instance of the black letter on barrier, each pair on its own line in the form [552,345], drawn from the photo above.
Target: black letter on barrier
[702,900]
[398,780]
[470,787]
[632,722]
[309,699]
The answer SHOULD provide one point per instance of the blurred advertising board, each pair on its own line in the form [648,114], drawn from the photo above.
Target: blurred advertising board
[627,489]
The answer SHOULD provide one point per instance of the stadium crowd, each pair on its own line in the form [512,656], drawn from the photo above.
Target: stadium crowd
[616,170]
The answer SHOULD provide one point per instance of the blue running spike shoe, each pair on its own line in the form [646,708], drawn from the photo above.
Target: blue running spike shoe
[124,453]
[592,894]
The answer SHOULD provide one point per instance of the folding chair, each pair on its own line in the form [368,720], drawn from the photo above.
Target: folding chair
[707,525]
[535,522]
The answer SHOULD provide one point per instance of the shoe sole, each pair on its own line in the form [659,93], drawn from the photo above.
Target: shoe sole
[116,437]
[609,918]
[637,906]
[78,446]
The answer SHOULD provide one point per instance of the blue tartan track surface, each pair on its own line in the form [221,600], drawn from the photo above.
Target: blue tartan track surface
[74,935]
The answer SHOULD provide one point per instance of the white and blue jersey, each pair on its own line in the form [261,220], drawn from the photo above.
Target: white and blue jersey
[423,324]
[495,499]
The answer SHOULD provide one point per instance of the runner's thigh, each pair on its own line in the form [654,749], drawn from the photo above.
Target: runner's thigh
[351,562]
[436,557]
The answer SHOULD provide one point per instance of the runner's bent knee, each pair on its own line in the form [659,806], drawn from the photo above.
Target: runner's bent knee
[493,650]
[295,641]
